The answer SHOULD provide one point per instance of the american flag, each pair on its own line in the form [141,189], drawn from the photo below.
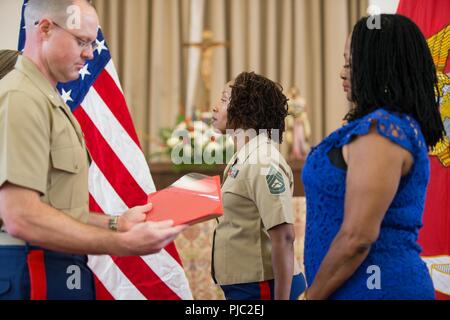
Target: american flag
[119,178]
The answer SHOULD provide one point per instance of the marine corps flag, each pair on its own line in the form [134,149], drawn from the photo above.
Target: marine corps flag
[433,18]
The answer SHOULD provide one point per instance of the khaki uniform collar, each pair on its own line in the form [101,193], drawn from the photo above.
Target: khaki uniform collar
[30,70]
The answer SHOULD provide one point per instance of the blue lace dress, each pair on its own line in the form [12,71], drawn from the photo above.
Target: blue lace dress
[396,252]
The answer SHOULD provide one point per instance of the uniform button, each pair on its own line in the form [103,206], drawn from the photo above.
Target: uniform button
[76,166]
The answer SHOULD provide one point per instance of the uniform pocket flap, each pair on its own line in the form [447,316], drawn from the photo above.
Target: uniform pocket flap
[65,159]
[236,186]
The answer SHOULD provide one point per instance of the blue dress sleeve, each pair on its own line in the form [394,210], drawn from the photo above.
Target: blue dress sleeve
[401,129]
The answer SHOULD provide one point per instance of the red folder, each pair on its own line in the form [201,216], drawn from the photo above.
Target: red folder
[192,199]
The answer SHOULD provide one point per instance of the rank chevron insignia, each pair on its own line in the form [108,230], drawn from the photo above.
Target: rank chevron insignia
[275,182]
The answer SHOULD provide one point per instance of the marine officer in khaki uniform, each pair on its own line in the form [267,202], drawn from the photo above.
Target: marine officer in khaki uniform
[46,227]
[253,253]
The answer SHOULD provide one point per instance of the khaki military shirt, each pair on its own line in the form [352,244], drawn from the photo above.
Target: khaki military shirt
[257,196]
[42,147]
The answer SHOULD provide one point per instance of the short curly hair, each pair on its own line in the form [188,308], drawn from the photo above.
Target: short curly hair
[257,103]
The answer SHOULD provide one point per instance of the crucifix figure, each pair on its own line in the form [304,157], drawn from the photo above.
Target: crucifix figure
[207,47]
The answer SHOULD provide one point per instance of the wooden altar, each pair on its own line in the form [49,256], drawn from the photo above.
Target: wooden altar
[164,174]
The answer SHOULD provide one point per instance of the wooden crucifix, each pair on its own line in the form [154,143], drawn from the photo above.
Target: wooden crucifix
[207,47]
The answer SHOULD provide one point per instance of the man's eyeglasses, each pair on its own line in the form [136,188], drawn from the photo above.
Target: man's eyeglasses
[81,43]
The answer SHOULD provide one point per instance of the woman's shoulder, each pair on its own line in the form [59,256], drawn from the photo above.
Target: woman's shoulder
[400,128]
[393,117]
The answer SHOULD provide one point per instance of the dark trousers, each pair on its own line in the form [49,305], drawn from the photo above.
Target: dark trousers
[29,273]
[262,290]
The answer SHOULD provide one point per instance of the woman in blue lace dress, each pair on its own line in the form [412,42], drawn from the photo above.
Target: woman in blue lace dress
[366,183]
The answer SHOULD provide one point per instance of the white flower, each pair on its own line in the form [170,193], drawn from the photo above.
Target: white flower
[213,146]
[180,133]
[210,133]
[199,126]
[187,151]
[200,139]
[181,126]
[172,142]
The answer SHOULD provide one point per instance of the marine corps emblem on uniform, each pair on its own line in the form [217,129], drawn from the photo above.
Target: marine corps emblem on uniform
[275,181]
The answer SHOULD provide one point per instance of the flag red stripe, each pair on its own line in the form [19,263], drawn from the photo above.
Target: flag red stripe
[101,292]
[93,205]
[110,165]
[131,266]
[172,250]
[145,280]
[114,99]
[139,273]
[134,268]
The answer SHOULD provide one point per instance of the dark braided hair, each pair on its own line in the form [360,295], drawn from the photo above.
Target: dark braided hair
[257,103]
[392,67]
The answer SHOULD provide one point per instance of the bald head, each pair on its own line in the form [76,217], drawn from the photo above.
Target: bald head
[64,12]
[61,36]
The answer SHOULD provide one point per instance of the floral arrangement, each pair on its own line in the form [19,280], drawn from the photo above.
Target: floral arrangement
[195,143]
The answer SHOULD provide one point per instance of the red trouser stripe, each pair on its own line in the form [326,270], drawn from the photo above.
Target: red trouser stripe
[265,290]
[38,278]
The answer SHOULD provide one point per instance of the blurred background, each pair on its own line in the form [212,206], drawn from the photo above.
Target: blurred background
[175,56]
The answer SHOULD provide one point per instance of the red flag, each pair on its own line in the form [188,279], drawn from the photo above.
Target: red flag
[433,18]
